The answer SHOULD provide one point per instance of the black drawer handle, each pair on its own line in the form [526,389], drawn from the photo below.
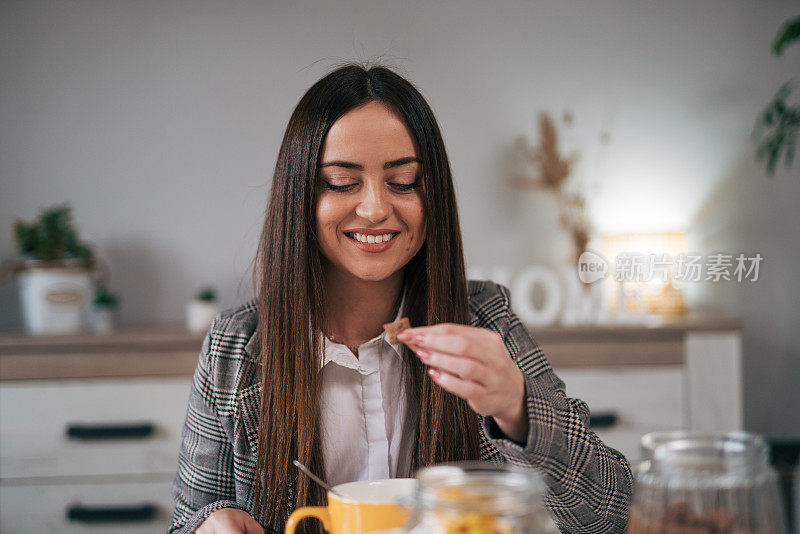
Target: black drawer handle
[112,514]
[603,420]
[111,431]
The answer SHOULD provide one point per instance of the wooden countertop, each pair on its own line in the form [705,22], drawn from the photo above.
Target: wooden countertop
[653,328]
[130,352]
[165,351]
[158,339]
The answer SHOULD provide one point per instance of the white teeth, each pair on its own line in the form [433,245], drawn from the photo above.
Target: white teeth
[371,238]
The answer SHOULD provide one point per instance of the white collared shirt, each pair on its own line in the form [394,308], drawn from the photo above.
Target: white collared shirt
[363,409]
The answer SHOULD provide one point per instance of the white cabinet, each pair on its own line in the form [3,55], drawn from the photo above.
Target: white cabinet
[641,399]
[683,375]
[90,429]
[85,448]
[39,508]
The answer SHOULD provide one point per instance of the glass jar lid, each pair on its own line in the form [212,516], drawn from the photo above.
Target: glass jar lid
[720,458]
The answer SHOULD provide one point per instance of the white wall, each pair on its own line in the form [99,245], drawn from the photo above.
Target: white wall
[160,122]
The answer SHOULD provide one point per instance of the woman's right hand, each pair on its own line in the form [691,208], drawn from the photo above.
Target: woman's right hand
[229,521]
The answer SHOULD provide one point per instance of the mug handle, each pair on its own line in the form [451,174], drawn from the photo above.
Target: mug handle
[320,512]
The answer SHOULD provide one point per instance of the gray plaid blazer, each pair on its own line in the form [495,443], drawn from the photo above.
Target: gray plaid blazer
[588,484]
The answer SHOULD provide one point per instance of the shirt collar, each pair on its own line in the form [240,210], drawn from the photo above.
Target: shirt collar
[340,354]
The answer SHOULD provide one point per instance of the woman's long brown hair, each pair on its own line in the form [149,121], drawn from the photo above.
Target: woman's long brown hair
[289,288]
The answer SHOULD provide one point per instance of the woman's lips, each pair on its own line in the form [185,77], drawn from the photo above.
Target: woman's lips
[372,247]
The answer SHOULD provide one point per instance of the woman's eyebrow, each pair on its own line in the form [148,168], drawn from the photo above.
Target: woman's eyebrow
[387,165]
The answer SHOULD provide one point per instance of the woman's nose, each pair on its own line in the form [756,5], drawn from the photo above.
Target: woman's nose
[374,204]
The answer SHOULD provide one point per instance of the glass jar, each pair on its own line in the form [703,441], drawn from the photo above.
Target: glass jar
[705,483]
[479,498]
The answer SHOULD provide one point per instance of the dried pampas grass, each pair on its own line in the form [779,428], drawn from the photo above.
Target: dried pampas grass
[552,172]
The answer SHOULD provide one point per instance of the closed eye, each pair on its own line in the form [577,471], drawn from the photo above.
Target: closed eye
[327,185]
[405,187]
[397,186]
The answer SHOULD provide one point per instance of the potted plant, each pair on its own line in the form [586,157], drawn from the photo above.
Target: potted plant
[105,304]
[201,310]
[55,272]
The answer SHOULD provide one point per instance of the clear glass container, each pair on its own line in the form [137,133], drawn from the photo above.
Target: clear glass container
[479,498]
[705,483]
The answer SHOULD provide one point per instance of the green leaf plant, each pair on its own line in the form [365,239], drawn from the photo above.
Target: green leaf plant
[777,126]
[52,237]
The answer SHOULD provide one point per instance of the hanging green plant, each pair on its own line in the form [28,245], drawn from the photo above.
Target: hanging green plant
[788,33]
[777,126]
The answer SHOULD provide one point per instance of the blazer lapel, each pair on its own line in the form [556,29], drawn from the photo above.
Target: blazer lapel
[249,405]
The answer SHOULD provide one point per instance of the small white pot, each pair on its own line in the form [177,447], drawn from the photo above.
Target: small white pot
[102,320]
[55,300]
[200,314]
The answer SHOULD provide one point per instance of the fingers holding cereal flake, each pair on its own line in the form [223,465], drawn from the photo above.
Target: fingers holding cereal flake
[392,329]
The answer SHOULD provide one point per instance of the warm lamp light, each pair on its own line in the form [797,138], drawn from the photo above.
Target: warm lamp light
[642,267]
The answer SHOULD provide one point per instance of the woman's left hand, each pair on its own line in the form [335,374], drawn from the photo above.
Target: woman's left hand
[474,364]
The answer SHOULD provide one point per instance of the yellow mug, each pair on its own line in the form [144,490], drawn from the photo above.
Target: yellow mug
[362,506]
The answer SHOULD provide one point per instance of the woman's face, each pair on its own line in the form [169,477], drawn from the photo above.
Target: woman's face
[370,216]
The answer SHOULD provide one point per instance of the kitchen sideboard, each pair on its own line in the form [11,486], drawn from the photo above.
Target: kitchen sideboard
[667,375]
[90,424]
[89,429]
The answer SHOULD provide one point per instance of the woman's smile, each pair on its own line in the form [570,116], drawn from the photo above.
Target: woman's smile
[372,240]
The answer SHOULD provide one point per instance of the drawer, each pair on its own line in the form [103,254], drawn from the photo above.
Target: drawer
[44,508]
[36,418]
[644,399]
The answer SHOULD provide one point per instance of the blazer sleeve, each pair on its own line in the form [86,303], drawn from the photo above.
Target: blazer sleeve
[588,484]
[204,482]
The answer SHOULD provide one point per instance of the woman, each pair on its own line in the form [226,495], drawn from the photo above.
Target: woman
[361,229]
